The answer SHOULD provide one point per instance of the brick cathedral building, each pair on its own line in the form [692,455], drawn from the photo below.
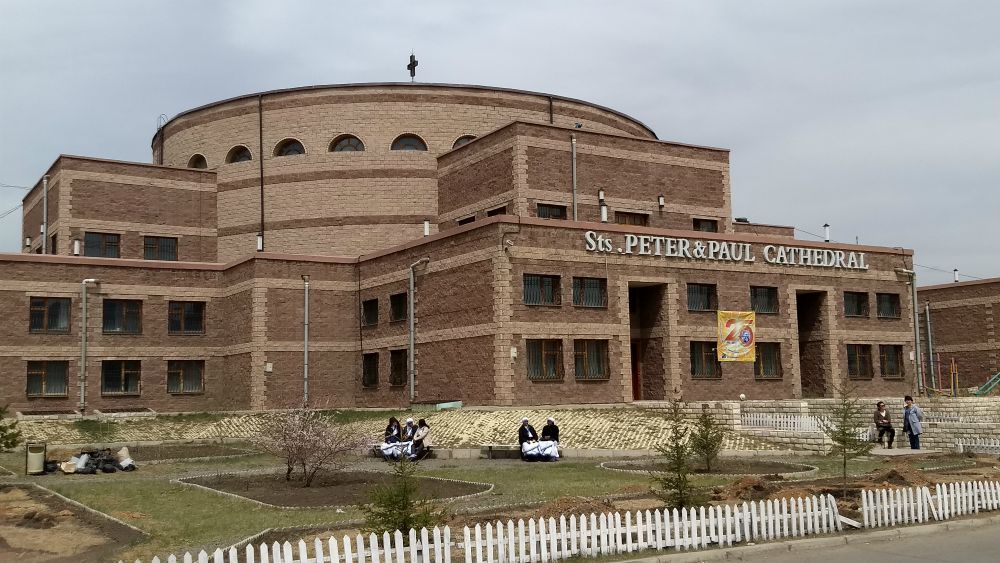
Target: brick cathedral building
[560,253]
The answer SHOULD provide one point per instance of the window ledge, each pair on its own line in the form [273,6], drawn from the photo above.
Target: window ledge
[369,387]
[107,394]
[185,392]
[48,396]
[186,333]
[768,378]
[551,305]
[703,310]
[590,306]
[48,332]
[707,377]
[890,318]
[899,377]
[861,377]
[121,333]
[592,379]
[560,380]
[855,316]
[767,312]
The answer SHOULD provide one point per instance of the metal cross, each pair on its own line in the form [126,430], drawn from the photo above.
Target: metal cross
[412,67]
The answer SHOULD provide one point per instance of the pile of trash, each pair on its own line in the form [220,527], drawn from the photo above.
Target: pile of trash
[94,461]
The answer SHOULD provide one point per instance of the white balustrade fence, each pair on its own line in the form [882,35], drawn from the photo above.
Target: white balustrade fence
[889,507]
[543,540]
[792,423]
[979,446]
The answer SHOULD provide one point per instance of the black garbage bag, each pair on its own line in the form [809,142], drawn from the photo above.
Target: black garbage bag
[108,468]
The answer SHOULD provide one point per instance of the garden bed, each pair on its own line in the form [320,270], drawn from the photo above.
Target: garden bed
[725,466]
[328,489]
[36,525]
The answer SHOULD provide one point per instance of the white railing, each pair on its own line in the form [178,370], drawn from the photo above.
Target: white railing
[544,540]
[792,423]
[890,507]
[978,445]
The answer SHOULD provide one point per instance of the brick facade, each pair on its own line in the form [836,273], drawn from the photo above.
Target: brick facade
[352,223]
[964,329]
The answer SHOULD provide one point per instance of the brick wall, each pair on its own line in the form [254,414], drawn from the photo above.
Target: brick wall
[964,321]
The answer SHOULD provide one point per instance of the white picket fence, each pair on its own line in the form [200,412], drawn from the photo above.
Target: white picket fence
[543,540]
[979,446]
[792,422]
[889,507]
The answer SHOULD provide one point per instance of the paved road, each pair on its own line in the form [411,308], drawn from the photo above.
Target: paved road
[975,545]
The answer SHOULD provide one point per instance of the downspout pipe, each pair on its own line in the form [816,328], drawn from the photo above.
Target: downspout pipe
[305,343]
[411,313]
[45,214]
[916,327]
[930,345]
[82,377]
[572,150]
[260,166]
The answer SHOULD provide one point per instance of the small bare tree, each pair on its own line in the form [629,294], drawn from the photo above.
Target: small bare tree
[844,428]
[307,441]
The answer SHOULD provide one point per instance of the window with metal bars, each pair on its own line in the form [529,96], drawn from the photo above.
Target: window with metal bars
[891,361]
[48,379]
[855,304]
[888,305]
[859,361]
[497,211]
[159,248]
[549,211]
[120,377]
[626,218]
[103,245]
[369,370]
[705,361]
[49,314]
[185,377]
[122,316]
[763,299]
[544,360]
[541,290]
[701,297]
[591,359]
[590,292]
[369,312]
[706,225]
[186,317]
[768,362]
[397,307]
[397,367]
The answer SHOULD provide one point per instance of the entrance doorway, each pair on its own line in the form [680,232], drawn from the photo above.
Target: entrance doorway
[647,326]
[813,341]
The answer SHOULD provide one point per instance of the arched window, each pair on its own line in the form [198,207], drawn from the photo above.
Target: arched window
[409,143]
[239,153]
[347,143]
[198,161]
[289,147]
[463,140]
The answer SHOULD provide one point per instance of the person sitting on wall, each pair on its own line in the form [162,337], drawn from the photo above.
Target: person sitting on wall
[421,440]
[912,417]
[883,424]
[392,431]
[550,432]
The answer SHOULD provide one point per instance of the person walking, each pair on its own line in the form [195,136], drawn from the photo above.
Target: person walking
[912,417]
[883,424]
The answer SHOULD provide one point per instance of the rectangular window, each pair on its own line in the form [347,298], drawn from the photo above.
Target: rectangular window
[763,299]
[625,218]
[547,211]
[497,211]
[768,362]
[541,290]
[590,292]
[369,312]
[591,359]
[705,361]
[159,248]
[48,379]
[369,370]
[186,317]
[397,367]
[104,245]
[185,377]
[888,305]
[859,361]
[49,314]
[466,220]
[544,360]
[53,249]
[702,297]
[891,360]
[397,307]
[120,377]
[706,225]
[122,316]
[855,304]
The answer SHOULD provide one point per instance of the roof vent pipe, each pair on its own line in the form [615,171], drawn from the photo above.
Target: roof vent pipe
[955,272]
[572,149]
[826,232]
[427,228]
[604,212]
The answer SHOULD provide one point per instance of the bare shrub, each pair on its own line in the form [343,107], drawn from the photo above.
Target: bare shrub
[306,440]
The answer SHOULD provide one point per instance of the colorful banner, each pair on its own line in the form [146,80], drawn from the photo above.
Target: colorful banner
[736,336]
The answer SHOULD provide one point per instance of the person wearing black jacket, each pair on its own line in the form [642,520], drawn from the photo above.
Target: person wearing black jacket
[526,433]
[550,431]
[392,431]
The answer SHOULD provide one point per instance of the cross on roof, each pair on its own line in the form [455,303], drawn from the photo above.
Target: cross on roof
[412,67]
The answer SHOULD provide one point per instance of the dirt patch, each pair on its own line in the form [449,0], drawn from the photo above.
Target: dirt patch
[182,451]
[329,489]
[723,467]
[38,526]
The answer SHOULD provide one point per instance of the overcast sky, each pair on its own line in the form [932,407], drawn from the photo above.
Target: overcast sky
[880,118]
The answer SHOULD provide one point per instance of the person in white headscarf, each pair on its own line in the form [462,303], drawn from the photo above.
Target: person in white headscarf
[408,431]
[550,432]
[526,433]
